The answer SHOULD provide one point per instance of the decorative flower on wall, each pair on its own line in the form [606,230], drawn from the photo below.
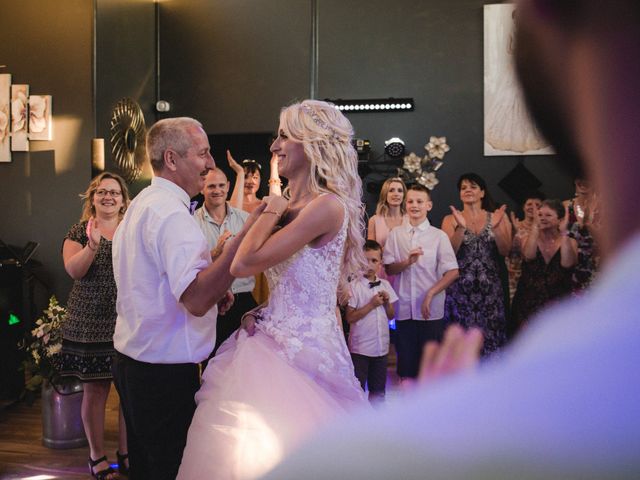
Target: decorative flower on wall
[37,109]
[422,169]
[19,112]
[4,125]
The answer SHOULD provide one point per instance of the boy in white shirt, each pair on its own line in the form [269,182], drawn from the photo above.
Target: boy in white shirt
[368,313]
[423,258]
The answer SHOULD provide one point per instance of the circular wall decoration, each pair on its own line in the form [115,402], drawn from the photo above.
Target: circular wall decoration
[128,135]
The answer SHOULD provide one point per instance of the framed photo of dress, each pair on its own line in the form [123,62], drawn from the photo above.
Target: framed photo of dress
[508,128]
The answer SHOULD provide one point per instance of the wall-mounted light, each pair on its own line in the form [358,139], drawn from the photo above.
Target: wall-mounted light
[373,105]
[394,147]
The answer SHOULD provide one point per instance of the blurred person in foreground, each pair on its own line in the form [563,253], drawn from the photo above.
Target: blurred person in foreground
[562,402]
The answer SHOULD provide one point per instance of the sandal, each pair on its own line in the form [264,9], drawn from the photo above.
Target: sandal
[102,474]
[122,466]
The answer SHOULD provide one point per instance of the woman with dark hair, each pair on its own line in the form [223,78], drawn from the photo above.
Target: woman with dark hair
[247,184]
[521,229]
[87,345]
[549,255]
[481,237]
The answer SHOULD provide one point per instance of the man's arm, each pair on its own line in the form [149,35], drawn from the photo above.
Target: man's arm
[212,283]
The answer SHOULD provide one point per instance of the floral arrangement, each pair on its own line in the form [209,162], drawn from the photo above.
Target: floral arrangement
[45,345]
[423,170]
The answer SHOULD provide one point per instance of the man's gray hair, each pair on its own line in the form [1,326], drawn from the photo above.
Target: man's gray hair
[169,133]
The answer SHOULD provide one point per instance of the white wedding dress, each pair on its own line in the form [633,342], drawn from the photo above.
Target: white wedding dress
[263,395]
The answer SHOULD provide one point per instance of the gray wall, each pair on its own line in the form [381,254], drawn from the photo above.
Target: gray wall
[234,63]
[48,46]
[125,66]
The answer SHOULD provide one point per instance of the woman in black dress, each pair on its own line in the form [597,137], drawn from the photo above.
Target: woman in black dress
[549,257]
[87,347]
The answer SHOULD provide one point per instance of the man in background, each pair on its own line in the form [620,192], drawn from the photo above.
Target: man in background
[219,221]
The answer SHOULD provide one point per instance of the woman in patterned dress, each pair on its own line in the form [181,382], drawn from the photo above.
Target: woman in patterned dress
[481,237]
[87,347]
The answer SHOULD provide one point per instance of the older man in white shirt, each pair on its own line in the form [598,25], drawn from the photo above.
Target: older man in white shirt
[168,288]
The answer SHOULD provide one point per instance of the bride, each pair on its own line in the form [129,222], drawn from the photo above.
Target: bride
[278,379]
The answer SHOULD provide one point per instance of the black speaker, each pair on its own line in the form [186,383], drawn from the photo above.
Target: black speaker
[13,324]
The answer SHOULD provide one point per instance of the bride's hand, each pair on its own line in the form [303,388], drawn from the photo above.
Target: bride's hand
[276,204]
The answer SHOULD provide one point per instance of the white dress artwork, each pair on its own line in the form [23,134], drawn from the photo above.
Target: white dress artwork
[265,394]
[508,125]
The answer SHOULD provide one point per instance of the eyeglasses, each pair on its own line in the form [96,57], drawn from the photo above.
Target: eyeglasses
[104,193]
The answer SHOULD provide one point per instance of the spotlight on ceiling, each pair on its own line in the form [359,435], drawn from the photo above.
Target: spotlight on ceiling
[374,105]
[394,147]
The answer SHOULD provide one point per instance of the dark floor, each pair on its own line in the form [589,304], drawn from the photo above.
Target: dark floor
[23,456]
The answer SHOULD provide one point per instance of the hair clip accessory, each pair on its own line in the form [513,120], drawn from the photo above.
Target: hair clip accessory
[247,161]
[318,121]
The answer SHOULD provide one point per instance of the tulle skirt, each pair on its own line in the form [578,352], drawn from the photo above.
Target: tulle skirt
[254,408]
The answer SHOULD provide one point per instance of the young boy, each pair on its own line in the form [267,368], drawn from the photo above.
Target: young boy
[368,313]
[422,257]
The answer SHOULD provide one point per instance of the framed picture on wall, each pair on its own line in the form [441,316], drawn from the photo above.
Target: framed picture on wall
[508,128]
[19,118]
[5,117]
[40,117]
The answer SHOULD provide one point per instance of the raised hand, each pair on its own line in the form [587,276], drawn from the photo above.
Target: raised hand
[515,221]
[93,233]
[564,223]
[458,217]
[498,216]
[459,351]
[235,166]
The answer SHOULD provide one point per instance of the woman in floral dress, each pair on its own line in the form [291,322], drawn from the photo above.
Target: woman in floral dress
[481,237]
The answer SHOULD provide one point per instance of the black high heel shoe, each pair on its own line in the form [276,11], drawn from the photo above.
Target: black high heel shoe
[102,474]
[122,466]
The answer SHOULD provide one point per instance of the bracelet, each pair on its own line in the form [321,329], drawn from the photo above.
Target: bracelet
[90,247]
[459,227]
[275,181]
[273,212]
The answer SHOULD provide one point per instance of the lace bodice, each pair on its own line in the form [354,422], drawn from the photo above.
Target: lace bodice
[301,314]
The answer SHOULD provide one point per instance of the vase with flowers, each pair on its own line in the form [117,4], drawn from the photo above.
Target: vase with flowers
[43,346]
[61,397]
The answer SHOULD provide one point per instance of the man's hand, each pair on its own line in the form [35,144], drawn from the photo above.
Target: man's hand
[247,323]
[225,304]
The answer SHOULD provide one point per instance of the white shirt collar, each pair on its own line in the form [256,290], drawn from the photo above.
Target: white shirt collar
[173,188]
[421,227]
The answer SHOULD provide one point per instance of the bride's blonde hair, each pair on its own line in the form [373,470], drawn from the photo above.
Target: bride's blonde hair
[326,134]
